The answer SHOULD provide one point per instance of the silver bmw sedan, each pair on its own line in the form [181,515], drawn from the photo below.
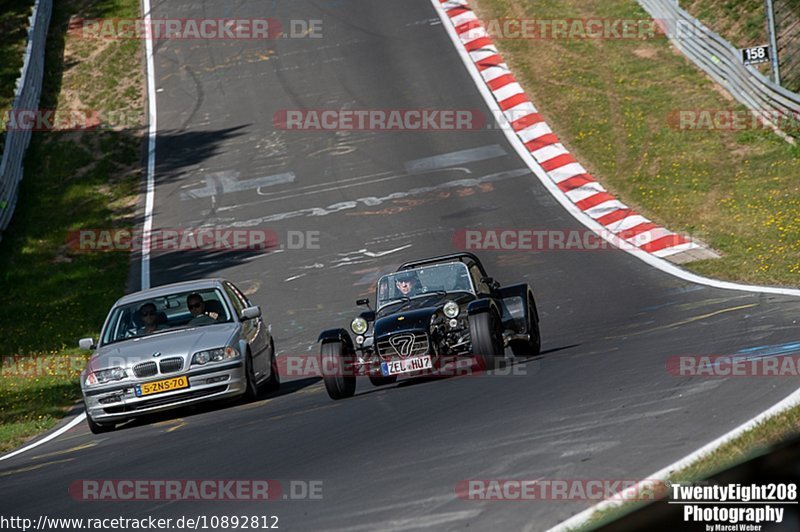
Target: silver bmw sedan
[175,345]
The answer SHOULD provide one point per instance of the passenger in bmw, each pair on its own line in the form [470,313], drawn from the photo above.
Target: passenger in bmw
[198,309]
[149,316]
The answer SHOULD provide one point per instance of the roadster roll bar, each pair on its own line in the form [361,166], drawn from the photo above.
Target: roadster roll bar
[464,257]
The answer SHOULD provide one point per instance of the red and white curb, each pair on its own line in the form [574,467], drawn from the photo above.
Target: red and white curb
[570,177]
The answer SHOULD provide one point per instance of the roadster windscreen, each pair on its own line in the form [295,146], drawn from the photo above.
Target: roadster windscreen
[450,277]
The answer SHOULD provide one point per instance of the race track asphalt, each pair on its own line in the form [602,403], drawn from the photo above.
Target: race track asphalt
[597,404]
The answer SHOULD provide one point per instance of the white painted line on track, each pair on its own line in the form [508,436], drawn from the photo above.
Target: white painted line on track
[77,419]
[151,152]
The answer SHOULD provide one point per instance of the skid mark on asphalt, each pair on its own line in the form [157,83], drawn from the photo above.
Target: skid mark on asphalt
[219,183]
[77,448]
[371,201]
[455,158]
[683,322]
[176,427]
[34,467]
[172,424]
[283,416]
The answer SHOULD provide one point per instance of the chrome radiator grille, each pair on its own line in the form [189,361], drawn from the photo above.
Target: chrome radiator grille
[145,369]
[404,345]
[171,365]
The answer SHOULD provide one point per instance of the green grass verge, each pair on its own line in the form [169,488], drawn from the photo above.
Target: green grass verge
[610,102]
[740,22]
[51,295]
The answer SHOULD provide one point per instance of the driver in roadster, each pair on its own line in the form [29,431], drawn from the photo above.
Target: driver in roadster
[408,284]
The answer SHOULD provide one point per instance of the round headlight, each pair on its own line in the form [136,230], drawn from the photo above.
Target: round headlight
[359,325]
[451,309]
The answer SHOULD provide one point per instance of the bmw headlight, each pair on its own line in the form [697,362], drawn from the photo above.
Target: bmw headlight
[451,309]
[105,375]
[215,355]
[359,325]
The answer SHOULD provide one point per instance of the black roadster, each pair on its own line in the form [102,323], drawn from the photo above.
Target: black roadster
[428,313]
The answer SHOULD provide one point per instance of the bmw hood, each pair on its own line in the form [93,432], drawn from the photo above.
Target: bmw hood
[179,343]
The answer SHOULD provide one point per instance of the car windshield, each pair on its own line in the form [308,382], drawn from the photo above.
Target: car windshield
[398,286]
[160,314]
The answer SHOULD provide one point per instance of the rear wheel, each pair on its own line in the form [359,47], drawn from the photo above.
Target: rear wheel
[336,372]
[487,339]
[99,428]
[533,346]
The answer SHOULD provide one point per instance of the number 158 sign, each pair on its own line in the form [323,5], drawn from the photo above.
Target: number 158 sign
[755,54]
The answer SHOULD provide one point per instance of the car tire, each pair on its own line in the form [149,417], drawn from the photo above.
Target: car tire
[380,380]
[533,346]
[99,428]
[273,384]
[333,360]
[487,339]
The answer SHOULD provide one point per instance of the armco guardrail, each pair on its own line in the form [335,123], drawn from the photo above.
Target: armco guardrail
[723,62]
[26,97]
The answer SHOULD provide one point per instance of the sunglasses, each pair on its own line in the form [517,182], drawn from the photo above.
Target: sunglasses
[196,305]
[148,313]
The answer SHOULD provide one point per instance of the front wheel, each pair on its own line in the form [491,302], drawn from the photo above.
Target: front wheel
[487,339]
[336,372]
[273,384]
[253,391]
[98,428]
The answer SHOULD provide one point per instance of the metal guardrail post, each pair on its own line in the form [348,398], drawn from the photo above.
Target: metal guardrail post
[26,97]
[773,41]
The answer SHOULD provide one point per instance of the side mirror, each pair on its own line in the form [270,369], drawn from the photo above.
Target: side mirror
[87,344]
[251,313]
[362,302]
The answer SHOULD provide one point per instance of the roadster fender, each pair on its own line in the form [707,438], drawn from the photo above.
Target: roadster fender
[483,304]
[515,307]
[337,335]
